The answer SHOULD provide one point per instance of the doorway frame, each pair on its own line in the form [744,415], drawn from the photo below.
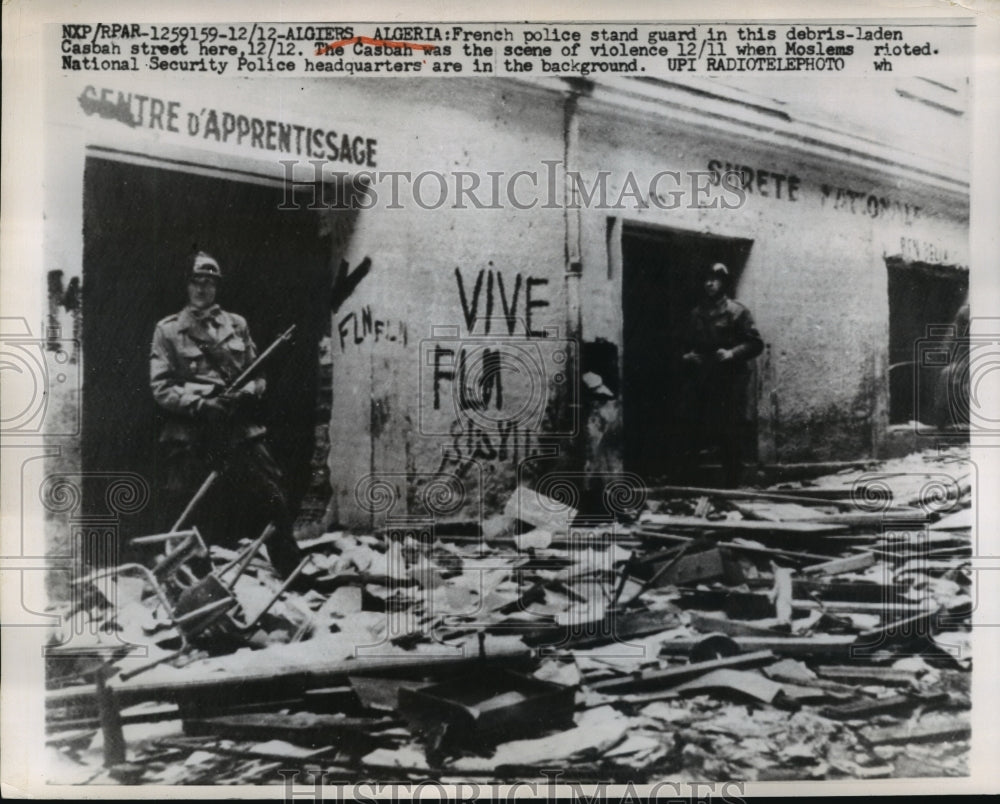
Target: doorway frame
[617,229]
[190,168]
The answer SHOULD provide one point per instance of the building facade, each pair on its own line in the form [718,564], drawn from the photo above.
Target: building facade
[458,254]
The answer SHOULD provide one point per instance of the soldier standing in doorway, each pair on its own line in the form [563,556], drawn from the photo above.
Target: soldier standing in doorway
[952,391]
[195,353]
[719,342]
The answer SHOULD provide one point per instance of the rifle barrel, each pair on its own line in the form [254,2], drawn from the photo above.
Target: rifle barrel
[250,370]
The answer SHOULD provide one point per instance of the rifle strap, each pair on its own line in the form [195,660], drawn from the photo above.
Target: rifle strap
[227,372]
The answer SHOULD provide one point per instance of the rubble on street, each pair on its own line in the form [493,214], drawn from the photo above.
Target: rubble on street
[815,630]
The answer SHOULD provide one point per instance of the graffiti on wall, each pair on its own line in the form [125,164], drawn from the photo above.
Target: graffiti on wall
[356,327]
[346,281]
[508,443]
[502,300]
[487,384]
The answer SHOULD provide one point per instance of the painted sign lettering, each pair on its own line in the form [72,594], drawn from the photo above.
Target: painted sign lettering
[755,180]
[859,202]
[146,111]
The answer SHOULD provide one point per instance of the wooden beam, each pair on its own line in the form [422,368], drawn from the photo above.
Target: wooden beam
[300,728]
[740,525]
[867,675]
[267,683]
[820,645]
[931,733]
[744,494]
[869,707]
[861,519]
[652,535]
[658,679]
[839,565]
[111,721]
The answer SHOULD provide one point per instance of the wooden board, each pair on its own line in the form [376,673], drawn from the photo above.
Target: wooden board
[684,522]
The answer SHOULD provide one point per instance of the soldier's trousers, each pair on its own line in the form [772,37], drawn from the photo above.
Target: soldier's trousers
[248,495]
[713,408]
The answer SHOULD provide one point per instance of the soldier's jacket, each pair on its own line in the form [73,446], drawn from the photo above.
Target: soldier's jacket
[724,324]
[188,361]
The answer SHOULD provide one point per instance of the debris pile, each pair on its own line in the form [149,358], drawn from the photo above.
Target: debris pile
[812,631]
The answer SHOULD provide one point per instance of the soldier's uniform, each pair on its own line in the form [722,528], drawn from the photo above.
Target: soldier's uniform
[714,399]
[951,400]
[193,353]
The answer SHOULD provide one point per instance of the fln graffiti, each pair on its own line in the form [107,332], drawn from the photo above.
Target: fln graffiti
[476,368]
[357,327]
[476,389]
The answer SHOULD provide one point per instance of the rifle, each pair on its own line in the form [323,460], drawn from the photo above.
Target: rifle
[227,392]
[248,373]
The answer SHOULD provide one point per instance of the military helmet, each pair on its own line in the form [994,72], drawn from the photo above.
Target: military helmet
[204,265]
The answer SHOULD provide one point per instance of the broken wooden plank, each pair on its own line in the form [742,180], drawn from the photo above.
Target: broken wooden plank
[918,545]
[867,675]
[819,645]
[128,717]
[757,606]
[886,609]
[613,627]
[769,511]
[866,591]
[249,752]
[826,494]
[301,728]
[659,679]
[730,627]
[894,704]
[111,722]
[673,538]
[267,683]
[930,733]
[744,494]
[915,626]
[789,671]
[861,519]
[855,563]
[741,525]
[332,699]
[75,702]
[963,486]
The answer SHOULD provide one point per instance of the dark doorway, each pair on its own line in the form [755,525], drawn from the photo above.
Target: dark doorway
[141,224]
[924,300]
[661,284]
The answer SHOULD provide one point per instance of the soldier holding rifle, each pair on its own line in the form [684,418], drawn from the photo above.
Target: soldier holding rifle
[199,377]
